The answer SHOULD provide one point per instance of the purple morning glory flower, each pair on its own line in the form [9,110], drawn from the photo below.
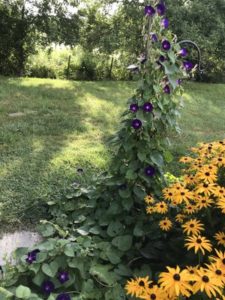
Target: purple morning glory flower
[183,52]
[188,65]
[160,8]
[47,287]
[147,107]
[179,81]
[150,171]
[63,296]
[31,256]
[166,89]
[154,37]
[149,10]
[165,23]
[134,107]
[63,276]
[162,58]
[166,45]
[136,123]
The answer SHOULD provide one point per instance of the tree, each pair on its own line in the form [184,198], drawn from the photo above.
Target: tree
[25,23]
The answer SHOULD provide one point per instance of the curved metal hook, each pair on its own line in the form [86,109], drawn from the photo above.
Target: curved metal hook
[199,53]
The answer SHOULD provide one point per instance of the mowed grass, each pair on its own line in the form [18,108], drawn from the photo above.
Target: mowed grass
[49,128]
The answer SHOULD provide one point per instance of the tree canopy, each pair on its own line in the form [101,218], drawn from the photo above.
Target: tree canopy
[26,24]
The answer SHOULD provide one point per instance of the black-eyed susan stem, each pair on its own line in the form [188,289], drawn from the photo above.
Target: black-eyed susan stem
[209,216]
[199,258]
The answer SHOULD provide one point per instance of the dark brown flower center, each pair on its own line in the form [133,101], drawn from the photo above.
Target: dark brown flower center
[203,201]
[199,241]
[218,272]
[182,193]
[205,278]
[192,225]
[141,283]
[207,174]
[151,285]
[176,277]
[205,185]
[192,271]
[153,296]
[170,194]
[219,159]
[223,261]
[161,205]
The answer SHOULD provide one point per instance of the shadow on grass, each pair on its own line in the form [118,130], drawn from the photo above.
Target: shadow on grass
[55,115]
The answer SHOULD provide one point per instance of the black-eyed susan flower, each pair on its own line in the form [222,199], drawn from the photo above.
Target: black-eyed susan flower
[180,218]
[137,287]
[193,226]
[218,161]
[220,258]
[149,199]
[190,209]
[211,168]
[199,243]
[154,292]
[183,195]
[168,193]
[189,179]
[203,202]
[219,192]
[206,176]
[175,282]
[207,189]
[179,193]
[186,159]
[207,284]
[192,270]
[220,237]
[216,271]
[165,224]
[221,204]
[150,210]
[195,166]
[161,207]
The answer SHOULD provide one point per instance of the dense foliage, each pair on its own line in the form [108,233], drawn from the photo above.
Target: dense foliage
[114,36]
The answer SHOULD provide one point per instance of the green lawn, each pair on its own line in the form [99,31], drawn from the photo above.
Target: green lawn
[49,128]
